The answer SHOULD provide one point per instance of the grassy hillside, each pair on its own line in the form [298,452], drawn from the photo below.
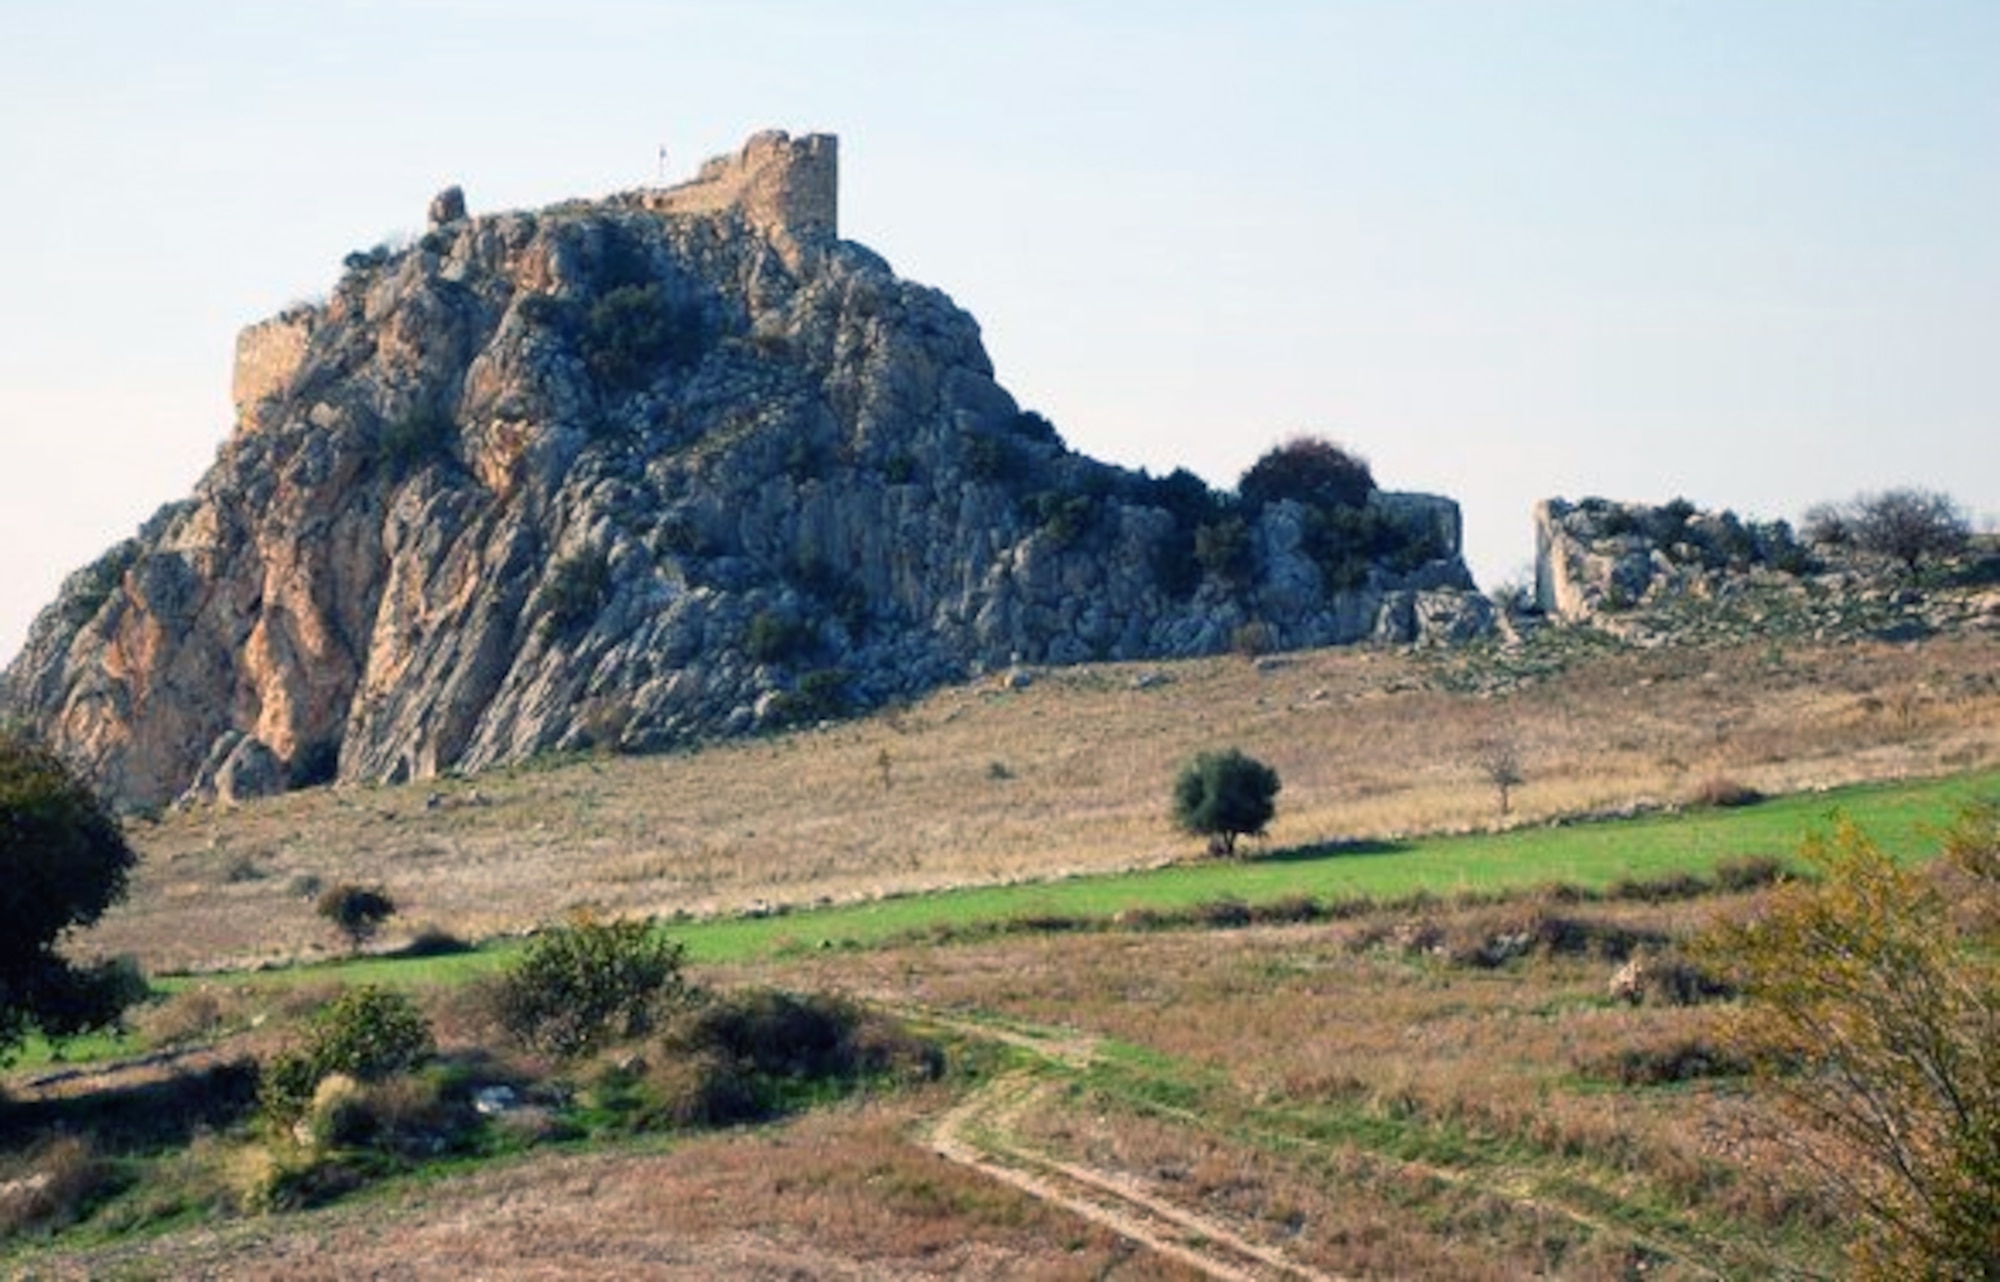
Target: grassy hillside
[986,784]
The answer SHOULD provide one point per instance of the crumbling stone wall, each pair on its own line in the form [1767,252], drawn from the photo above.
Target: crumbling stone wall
[787,189]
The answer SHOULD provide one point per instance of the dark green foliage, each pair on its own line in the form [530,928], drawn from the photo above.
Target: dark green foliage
[1030,426]
[632,332]
[363,260]
[773,637]
[588,983]
[1225,795]
[86,592]
[576,590]
[992,459]
[822,695]
[1687,1059]
[1183,494]
[368,1033]
[63,861]
[1308,470]
[843,595]
[1222,548]
[419,438]
[355,911]
[761,1052]
[1063,518]
[1674,517]
[1344,542]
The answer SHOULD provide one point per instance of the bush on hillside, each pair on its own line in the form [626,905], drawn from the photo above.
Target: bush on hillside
[357,912]
[1311,471]
[588,983]
[368,1033]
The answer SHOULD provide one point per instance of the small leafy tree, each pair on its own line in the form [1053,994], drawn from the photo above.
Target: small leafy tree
[357,912]
[586,983]
[1223,796]
[63,861]
[1876,1018]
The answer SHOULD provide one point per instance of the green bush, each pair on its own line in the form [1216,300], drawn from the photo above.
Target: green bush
[755,1054]
[1308,470]
[822,695]
[588,983]
[773,637]
[1222,548]
[1225,795]
[576,590]
[419,438]
[992,459]
[368,1033]
[632,332]
[1063,519]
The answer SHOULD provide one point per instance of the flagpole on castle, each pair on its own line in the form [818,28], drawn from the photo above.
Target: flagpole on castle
[663,162]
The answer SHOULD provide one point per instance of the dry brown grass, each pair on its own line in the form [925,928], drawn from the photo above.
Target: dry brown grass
[1070,774]
[837,1194]
[1518,1100]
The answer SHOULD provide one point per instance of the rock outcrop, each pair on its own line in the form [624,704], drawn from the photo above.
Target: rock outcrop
[1597,557]
[639,471]
[1673,574]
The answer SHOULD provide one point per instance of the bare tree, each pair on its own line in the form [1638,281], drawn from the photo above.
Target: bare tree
[1909,525]
[1499,760]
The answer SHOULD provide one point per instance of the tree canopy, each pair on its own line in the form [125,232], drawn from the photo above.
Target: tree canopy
[63,861]
[1225,795]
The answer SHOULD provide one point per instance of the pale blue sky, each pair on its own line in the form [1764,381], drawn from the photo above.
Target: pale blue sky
[1741,250]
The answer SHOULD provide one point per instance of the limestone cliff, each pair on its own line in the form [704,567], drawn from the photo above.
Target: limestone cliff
[634,472]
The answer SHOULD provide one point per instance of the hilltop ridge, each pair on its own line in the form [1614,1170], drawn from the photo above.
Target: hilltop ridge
[642,471]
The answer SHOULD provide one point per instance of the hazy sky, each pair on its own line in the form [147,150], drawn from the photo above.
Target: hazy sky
[1741,250]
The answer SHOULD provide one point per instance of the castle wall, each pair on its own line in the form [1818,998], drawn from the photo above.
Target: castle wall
[787,189]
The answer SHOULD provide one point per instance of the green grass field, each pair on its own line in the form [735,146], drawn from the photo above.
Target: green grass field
[1904,818]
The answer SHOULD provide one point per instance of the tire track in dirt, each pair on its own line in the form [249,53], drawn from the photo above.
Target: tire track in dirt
[981,1133]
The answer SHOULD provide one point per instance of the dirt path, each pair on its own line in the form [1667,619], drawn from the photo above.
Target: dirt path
[982,1132]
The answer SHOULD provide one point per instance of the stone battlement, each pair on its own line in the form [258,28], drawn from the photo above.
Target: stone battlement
[787,189]
[268,355]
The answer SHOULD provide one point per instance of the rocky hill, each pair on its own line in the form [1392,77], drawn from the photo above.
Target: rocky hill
[638,471]
[1673,573]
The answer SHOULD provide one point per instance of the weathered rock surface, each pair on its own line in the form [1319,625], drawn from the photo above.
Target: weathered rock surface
[1598,557]
[1672,574]
[639,471]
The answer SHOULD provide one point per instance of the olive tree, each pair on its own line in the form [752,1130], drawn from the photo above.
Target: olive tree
[63,861]
[1223,796]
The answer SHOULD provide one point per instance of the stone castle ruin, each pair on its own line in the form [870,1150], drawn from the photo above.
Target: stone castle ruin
[784,190]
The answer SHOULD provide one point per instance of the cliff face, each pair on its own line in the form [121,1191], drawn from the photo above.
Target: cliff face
[639,471]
